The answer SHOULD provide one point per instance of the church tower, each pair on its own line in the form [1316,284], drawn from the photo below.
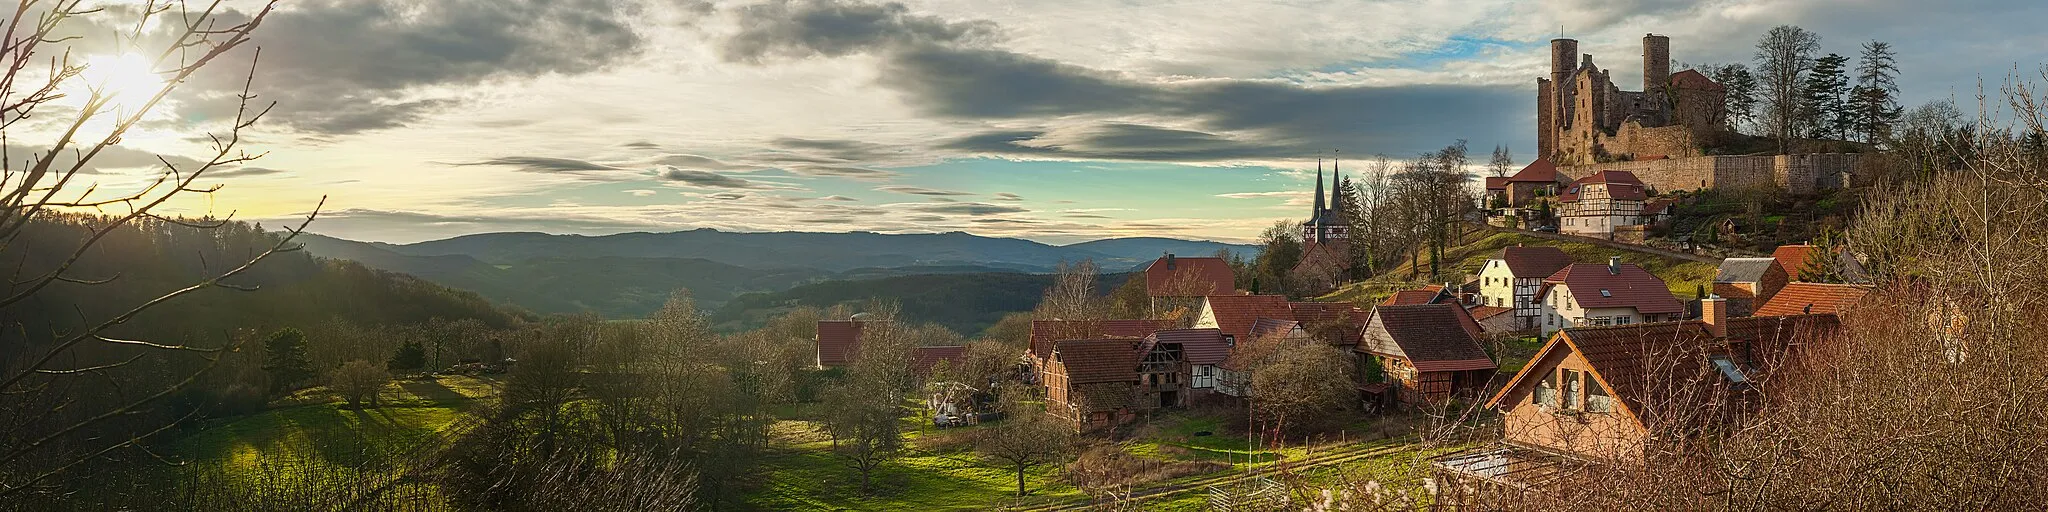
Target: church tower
[1326,223]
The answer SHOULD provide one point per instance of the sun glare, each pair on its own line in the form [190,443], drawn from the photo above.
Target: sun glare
[126,78]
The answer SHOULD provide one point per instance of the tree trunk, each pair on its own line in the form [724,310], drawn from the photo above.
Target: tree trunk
[1020,480]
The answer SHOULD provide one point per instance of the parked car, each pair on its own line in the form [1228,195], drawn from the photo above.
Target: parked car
[1545,229]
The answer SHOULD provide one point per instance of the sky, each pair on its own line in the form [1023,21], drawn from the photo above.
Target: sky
[1053,120]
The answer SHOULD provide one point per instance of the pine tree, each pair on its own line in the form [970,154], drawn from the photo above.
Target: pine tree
[1740,102]
[1825,115]
[410,356]
[286,361]
[1873,103]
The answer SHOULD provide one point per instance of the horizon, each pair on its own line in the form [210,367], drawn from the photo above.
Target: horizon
[1070,122]
[599,235]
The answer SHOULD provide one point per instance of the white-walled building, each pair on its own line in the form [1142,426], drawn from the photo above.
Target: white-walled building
[1592,295]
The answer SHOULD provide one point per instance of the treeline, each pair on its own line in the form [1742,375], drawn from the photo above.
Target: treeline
[83,389]
[1790,91]
[1399,214]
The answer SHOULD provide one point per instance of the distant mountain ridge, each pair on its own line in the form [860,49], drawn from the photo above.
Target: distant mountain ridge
[629,275]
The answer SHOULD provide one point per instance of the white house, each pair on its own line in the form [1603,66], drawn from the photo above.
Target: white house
[1591,294]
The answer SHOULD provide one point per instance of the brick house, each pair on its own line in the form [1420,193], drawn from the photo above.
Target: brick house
[1748,282]
[1513,277]
[1602,395]
[1588,294]
[1595,205]
[1538,179]
[1423,353]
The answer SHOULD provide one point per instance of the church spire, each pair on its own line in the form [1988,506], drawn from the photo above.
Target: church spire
[1317,215]
[1336,190]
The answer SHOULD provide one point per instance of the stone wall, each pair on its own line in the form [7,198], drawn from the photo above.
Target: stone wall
[1797,174]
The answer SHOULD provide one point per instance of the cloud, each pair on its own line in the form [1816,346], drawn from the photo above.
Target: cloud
[859,173]
[905,189]
[1085,216]
[814,28]
[641,192]
[699,162]
[1006,196]
[727,196]
[339,67]
[244,171]
[837,198]
[969,209]
[542,164]
[837,149]
[711,179]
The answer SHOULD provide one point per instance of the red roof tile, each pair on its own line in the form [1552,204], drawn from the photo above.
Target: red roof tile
[1792,258]
[1480,313]
[1235,314]
[924,358]
[1101,360]
[1432,337]
[1417,296]
[1816,298]
[1173,276]
[838,342]
[1621,185]
[1198,346]
[1648,366]
[1271,327]
[1658,206]
[1334,322]
[1538,171]
[1534,262]
[1593,286]
[1497,182]
[1045,332]
[1693,79]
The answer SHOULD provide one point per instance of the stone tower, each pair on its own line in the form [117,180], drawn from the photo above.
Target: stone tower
[1553,96]
[1656,63]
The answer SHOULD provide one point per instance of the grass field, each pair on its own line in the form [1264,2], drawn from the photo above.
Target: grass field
[801,473]
[1681,277]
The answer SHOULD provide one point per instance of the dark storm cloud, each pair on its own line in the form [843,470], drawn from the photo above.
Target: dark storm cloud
[953,70]
[710,179]
[337,67]
[969,209]
[542,164]
[905,189]
[812,28]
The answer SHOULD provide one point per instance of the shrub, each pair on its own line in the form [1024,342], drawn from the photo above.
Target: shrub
[357,381]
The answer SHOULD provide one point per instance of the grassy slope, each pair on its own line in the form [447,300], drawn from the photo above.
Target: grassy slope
[1680,276]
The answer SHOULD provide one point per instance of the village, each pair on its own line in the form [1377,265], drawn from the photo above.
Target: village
[1623,360]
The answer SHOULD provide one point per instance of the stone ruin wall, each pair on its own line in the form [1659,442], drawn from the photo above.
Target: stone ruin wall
[1675,141]
[1797,174]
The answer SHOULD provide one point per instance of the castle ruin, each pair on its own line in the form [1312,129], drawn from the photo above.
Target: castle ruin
[1583,118]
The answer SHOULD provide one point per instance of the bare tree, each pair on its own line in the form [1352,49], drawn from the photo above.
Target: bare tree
[1783,57]
[1026,438]
[1072,295]
[44,80]
[358,382]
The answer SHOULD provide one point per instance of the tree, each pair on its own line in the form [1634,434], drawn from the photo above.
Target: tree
[864,413]
[83,119]
[285,360]
[358,381]
[1072,295]
[1026,438]
[1280,250]
[1298,386]
[1739,104]
[1873,103]
[1503,162]
[1825,91]
[410,356]
[1783,57]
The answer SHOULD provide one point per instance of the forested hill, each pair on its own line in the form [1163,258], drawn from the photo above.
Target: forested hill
[630,275]
[965,303]
[826,251]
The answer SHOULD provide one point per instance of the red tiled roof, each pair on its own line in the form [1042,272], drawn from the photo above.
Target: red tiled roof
[1657,206]
[1797,298]
[838,342]
[1198,346]
[924,358]
[1534,262]
[1423,295]
[1621,185]
[1485,312]
[1432,337]
[1632,287]
[1335,322]
[1647,365]
[1792,258]
[1173,276]
[1267,327]
[1101,360]
[1538,171]
[1235,314]
[1693,79]
[1497,182]
[1045,332]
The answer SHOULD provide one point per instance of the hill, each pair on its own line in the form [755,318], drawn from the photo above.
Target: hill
[1145,249]
[1682,277]
[965,303]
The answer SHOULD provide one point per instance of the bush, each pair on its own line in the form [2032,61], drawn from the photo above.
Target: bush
[357,381]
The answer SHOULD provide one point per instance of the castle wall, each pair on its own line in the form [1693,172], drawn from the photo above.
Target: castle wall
[1797,174]
[1671,141]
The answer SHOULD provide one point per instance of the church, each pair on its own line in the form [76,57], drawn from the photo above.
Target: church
[1325,242]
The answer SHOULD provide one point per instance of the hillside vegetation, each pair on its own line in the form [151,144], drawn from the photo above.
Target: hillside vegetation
[1682,277]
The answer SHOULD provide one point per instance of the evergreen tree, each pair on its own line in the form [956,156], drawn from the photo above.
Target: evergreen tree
[410,356]
[286,363]
[1873,103]
[1740,102]
[1825,113]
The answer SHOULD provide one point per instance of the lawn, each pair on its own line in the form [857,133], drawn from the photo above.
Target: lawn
[801,473]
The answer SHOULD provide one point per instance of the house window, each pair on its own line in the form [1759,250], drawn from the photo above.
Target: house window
[1597,399]
[1622,320]
[1546,391]
[1573,399]
[1205,376]
[1600,321]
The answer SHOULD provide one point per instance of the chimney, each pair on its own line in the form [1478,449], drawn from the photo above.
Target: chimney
[1714,313]
[1169,261]
[1614,265]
